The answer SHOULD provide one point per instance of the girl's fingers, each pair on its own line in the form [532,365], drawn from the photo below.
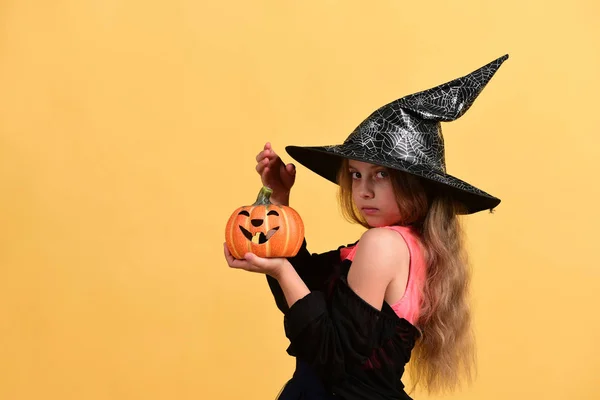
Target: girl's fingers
[233,263]
[263,159]
[271,153]
[228,255]
[266,151]
[290,169]
[245,265]
[263,154]
[260,166]
[265,173]
[250,262]
[260,156]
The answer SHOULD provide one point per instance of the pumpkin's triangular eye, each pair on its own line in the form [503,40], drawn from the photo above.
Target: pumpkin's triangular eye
[273,212]
[244,212]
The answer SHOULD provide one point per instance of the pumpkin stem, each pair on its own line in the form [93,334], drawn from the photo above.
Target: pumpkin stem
[263,197]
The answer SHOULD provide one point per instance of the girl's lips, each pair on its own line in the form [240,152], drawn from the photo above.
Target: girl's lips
[368,210]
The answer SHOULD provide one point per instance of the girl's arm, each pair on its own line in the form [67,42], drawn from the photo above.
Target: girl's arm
[328,332]
[312,268]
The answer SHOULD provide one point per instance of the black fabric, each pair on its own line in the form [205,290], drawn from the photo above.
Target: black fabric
[305,384]
[354,350]
[314,269]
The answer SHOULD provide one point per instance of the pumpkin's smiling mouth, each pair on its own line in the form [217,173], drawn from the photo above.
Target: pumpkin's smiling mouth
[258,237]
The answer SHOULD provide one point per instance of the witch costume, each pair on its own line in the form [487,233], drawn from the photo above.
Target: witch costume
[344,347]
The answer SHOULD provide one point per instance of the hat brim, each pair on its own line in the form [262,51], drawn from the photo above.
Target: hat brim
[326,161]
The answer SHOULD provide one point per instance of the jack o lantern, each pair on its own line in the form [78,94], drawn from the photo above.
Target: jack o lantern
[265,229]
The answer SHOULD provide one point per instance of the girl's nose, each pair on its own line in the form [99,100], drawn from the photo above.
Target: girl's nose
[366,191]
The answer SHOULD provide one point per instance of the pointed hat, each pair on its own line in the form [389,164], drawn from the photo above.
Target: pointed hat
[406,135]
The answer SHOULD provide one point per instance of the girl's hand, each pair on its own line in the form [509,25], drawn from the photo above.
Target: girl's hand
[253,263]
[277,175]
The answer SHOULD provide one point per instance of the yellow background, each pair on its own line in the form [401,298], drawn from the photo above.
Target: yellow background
[128,131]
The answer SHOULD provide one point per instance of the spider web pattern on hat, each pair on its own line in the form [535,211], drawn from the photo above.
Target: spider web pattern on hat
[409,129]
[406,135]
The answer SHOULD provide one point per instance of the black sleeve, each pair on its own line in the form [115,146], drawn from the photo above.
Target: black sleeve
[332,333]
[313,268]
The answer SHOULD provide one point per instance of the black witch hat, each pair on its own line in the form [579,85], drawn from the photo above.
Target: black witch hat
[406,135]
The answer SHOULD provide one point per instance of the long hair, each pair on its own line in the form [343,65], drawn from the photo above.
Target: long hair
[444,355]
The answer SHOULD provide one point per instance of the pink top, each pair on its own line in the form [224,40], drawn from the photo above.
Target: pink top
[408,306]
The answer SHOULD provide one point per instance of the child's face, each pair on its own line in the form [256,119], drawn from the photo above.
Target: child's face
[373,193]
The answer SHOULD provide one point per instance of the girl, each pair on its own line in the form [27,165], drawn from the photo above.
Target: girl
[356,315]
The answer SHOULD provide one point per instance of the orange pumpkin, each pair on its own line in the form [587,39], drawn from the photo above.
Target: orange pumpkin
[265,229]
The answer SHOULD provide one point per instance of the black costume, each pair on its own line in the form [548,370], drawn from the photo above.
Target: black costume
[343,345]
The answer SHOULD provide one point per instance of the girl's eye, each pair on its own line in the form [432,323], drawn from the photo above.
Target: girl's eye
[355,175]
[382,174]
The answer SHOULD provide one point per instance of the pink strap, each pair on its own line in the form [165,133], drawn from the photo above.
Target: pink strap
[408,306]
[348,252]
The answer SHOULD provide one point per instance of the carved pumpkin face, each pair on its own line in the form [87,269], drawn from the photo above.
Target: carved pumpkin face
[264,229]
[259,223]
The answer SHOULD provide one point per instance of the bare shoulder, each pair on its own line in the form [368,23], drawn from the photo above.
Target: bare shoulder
[381,254]
[382,244]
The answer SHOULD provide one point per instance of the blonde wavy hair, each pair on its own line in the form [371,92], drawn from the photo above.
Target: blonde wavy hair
[444,355]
